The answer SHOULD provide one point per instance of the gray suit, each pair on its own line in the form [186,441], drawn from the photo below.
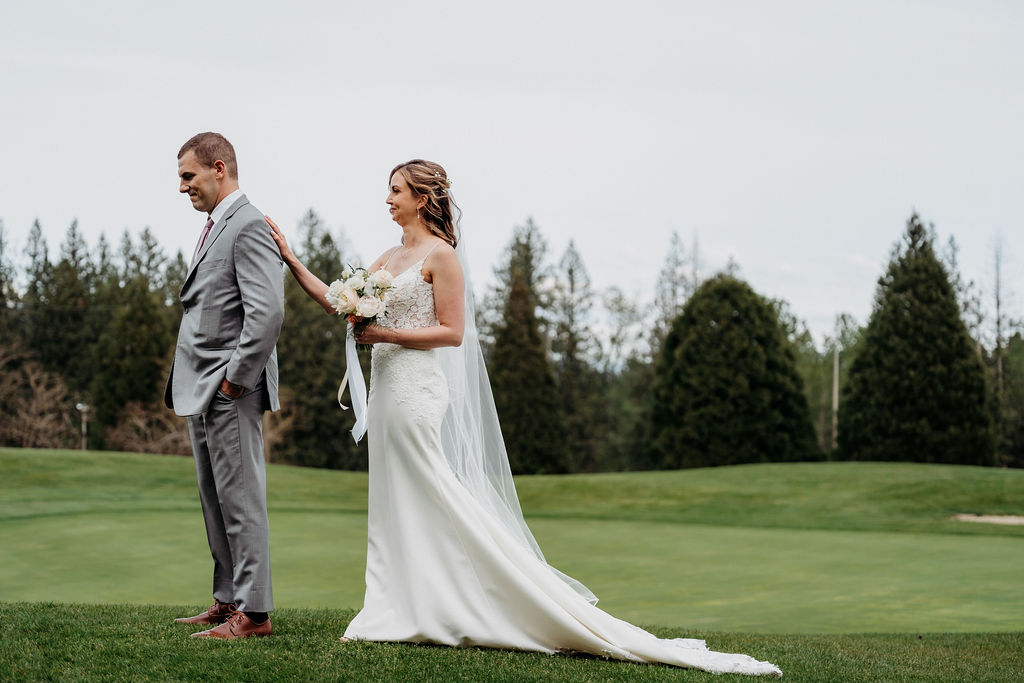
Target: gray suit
[233,298]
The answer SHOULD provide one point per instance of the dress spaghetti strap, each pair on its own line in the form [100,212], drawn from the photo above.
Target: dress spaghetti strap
[420,261]
[436,244]
[393,252]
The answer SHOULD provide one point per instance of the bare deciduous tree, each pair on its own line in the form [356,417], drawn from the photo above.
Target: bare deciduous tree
[149,428]
[36,408]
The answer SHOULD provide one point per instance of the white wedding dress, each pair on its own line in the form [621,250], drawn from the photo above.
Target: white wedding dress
[439,567]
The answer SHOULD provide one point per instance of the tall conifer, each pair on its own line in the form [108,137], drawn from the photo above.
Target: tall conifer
[311,354]
[524,388]
[8,292]
[917,387]
[581,386]
[726,390]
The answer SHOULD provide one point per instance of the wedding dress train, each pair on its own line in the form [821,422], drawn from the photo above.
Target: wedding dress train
[440,568]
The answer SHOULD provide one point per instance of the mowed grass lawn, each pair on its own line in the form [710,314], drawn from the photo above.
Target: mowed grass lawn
[817,548]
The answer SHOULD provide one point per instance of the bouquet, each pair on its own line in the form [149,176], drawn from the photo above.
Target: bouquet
[359,295]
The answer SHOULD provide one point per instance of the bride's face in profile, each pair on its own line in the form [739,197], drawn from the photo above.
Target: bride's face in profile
[401,201]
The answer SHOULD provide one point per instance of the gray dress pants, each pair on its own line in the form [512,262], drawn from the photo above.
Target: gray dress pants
[227,442]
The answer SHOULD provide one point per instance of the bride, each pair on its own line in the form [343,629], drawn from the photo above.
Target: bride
[450,559]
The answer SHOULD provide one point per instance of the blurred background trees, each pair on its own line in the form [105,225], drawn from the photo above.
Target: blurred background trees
[702,371]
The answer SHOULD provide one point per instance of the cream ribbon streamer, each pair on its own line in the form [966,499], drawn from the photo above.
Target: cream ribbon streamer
[357,390]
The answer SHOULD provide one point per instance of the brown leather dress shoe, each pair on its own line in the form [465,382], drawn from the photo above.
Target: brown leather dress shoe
[218,613]
[237,626]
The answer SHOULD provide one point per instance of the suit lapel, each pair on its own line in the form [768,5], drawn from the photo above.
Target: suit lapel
[215,232]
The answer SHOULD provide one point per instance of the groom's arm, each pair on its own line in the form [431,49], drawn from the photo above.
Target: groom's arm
[260,276]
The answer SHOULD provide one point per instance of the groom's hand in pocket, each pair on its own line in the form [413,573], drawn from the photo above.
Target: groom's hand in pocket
[231,390]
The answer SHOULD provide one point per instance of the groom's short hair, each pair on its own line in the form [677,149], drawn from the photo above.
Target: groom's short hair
[208,148]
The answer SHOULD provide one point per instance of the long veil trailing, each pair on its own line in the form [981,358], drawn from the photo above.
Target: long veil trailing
[471,436]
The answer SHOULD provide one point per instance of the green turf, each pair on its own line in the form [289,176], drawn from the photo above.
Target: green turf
[795,548]
[140,643]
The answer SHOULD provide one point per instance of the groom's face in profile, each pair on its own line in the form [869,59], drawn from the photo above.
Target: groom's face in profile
[200,183]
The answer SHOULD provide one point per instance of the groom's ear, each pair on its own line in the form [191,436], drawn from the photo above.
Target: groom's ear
[221,169]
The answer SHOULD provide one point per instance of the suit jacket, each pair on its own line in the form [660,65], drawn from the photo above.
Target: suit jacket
[233,298]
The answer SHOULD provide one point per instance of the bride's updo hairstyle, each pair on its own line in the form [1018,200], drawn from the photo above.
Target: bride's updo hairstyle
[427,179]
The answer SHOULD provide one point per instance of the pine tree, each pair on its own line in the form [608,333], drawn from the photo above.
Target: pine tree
[917,387]
[311,357]
[629,373]
[524,256]
[676,283]
[524,388]
[64,349]
[129,356]
[726,390]
[174,273]
[35,300]
[8,293]
[1012,451]
[581,387]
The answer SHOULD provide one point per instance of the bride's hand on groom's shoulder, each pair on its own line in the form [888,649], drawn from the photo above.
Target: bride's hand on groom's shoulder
[282,243]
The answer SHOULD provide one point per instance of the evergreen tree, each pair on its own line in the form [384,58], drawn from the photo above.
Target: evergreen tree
[629,373]
[676,283]
[524,388]
[175,271]
[104,268]
[66,315]
[9,299]
[814,369]
[917,387]
[311,354]
[148,260]
[581,386]
[726,390]
[105,294]
[525,257]
[35,300]
[1012,437]
[129,356]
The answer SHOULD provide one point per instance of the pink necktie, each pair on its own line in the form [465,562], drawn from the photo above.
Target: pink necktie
[202,238]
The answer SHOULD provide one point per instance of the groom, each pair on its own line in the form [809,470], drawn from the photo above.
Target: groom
[223,377]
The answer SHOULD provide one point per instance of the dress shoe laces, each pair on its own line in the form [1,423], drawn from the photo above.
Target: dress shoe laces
[234,620]
[220,608]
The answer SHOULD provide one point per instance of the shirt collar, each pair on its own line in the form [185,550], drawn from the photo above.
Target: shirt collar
[222,208]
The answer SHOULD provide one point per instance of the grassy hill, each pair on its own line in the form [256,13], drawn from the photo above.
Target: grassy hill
[819,548]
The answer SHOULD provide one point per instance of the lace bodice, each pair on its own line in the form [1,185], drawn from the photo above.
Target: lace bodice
[411,302]
[411,376]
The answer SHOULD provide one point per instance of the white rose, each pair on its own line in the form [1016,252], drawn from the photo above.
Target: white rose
[369,306]
[347,301]
[355,282]
[346,274]
[383,278]
[333,292]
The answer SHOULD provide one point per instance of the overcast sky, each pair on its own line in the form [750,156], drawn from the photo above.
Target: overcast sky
[796,137]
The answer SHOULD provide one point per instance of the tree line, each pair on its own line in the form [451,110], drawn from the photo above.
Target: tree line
[704,372]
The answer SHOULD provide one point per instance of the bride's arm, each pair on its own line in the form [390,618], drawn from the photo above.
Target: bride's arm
[449,302]
[314,286]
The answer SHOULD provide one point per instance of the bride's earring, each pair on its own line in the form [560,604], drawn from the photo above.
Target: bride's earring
[417,214]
